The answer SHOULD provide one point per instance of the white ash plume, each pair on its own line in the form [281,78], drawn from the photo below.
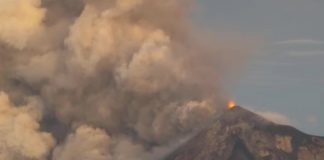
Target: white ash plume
[20,20]
[128,72]
[85,144]
[95,144]
[21,137]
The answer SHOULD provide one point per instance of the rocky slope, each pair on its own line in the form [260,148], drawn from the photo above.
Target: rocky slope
[242,135]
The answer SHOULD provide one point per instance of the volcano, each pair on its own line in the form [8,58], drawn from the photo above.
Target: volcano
[240,134]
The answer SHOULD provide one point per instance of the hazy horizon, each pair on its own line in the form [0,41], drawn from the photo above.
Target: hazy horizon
[287,75]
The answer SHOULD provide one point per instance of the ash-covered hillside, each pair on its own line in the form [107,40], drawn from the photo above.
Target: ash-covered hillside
[242,135]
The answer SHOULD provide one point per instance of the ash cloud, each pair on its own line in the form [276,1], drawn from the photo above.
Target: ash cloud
[20,20]
[120,79]
[21,137]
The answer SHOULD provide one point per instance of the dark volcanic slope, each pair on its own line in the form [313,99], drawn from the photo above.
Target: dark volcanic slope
[242,135]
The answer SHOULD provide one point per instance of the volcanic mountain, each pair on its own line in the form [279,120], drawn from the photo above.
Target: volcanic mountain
[242,135]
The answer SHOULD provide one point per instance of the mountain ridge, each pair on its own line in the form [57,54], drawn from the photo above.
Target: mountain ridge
[240,134]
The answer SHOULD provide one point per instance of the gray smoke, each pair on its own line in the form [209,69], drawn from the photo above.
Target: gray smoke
[104,79]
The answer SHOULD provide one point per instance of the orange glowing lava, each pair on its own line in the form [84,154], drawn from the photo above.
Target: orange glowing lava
[231,105]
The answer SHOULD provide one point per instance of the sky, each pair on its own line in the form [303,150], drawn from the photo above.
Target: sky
[285,78]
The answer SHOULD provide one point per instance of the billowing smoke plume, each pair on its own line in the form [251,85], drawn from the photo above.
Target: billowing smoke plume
[20,135]
[103,79]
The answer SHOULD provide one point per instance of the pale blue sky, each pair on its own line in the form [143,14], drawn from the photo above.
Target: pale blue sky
[287,75]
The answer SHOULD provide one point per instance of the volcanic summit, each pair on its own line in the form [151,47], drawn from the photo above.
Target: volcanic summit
[240,134]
